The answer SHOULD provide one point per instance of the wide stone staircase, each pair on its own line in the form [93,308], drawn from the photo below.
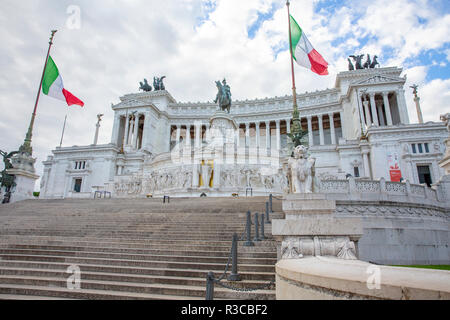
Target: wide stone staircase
[131,248]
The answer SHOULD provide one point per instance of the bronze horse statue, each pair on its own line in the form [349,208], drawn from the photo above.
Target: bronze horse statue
[223,96]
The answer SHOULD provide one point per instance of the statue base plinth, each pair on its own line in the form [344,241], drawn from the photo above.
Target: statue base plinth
[25,182]
[222,131]
[311,228]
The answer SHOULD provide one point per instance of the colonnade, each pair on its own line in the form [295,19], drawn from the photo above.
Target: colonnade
[261,130]
[376,108]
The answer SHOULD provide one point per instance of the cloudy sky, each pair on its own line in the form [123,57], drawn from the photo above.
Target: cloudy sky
[104,48]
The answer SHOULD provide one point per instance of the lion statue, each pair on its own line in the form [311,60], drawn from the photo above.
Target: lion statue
[302,171]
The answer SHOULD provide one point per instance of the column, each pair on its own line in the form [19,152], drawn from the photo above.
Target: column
[146,133]
[366,109]
[332,131]
[238,135]
[135,132]
[268,135]
[360,105]
[247,135]
[374,109]
[278,135]
[127,129]
[188,135]
[310,132]
[380,113]
[341,115]
[402,106]
[178,135]
[169,137]
[387,108]
[366,164]
[116,129]
[197,134]
[207,133]
[322,140]
[97,129]
[288,129]
[195,175]
[131,131]
[258,137]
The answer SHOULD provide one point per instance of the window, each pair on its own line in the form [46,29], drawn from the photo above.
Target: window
[414,148]
[427,150]
[80,165]
[77,185]
[356,172]
[420,147]
[424,175]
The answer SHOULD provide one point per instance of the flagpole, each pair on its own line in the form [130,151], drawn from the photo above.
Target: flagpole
[296,127]
[26,147]
[64,128]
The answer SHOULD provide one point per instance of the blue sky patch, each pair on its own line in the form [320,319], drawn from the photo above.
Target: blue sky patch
[208,6]
[262,16]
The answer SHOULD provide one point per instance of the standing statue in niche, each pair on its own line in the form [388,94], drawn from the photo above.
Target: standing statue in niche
[223,95]
[206,174]
[302,170]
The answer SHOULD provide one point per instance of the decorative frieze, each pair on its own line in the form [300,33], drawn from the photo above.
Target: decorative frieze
[298,247]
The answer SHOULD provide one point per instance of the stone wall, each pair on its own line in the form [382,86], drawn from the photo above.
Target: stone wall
[400,233]
[402,223]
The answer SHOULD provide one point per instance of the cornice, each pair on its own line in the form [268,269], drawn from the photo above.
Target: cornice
[91,148]
[408,128]
[361,73]
[146,96]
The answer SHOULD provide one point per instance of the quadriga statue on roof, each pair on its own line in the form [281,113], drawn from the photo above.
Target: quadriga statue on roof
[302,171]
[145,86]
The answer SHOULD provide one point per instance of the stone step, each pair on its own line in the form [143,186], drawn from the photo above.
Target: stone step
[125,256]
[101,276]
[126,270]
[268,254]
[136,263]
[64,293]
[28,297]
[131,287]
[131,248]
[136,243]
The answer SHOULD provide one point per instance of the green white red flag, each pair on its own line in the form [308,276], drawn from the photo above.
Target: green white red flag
[53,85]
[304,53]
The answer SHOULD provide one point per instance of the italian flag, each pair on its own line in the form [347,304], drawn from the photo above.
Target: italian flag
[53,85]
[303,51]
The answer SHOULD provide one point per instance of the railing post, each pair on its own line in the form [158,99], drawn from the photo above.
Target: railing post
[267,213]
[262,237]
[270,201]
[256,238]
[234,276]
[248,229]
[210,286]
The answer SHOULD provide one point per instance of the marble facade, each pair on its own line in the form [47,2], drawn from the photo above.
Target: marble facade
[163,147]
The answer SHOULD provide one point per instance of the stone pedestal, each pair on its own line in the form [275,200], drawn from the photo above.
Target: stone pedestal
[311,228]
[25,181]
[222,129]
[25,177]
